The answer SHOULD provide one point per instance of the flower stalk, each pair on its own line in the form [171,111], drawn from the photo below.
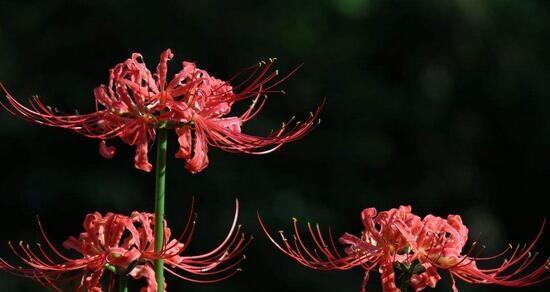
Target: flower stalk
[407,272]
[122,283]
[160,187]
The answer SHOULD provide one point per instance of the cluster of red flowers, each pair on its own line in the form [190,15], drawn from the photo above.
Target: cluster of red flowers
[408,251]
[124,245]
[136,103]
[417,248]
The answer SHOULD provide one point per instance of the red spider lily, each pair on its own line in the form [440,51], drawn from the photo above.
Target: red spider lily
[124,245]
[417,248]
[136,103]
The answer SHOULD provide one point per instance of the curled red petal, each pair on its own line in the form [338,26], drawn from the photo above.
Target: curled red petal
[199,159]
[185,142]
[141,161]
[162,68]
[388,276]
[147,273]
[107,152]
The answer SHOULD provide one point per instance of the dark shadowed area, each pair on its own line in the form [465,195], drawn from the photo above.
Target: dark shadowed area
[442,105]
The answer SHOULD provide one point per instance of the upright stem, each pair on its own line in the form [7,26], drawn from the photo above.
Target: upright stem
[159,204]
[122,283]
[405,281]
[407,273]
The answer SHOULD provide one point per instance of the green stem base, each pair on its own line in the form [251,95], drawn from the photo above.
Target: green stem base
[122,283]
[159,204]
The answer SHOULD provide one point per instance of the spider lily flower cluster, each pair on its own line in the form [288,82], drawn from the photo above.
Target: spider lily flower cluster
[114,244]
[139,106]
[409,252]
[135,103]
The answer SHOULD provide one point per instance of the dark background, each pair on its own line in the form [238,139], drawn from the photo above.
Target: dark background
[439,104]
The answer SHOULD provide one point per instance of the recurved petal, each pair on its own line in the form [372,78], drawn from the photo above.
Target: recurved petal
[356,244]
[162,67]
[106,151]
[146,272]
[428,278]
[121,257]
[368,214]
[185,142]
[186,72]
[93,281]
[142,148]
[216,111]
[233,124]
[73,243]
[199,161]
[388,276]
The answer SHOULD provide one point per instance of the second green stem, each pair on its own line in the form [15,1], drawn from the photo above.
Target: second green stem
[122,283]
[159,204]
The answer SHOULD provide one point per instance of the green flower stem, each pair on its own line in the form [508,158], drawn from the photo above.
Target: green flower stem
[159,203]
[407,272]
[122,283]
[404,283]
